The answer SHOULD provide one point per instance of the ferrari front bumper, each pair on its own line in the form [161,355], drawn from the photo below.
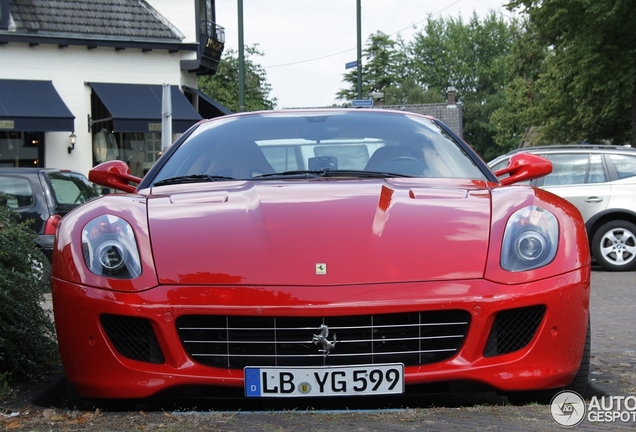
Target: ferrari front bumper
[135,344]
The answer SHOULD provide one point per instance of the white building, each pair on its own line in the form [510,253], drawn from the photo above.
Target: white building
[94,70]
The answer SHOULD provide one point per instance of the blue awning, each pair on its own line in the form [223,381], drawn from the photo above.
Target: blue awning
[137,107]
[208,107]
[33,106]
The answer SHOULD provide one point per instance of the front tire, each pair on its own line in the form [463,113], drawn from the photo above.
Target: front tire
[614,246]
[76,402]
[580,381]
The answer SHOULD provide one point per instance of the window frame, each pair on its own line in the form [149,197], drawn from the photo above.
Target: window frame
[5,19]
[615,172]
[18,181]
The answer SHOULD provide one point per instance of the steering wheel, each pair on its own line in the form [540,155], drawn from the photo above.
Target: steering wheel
[402,165]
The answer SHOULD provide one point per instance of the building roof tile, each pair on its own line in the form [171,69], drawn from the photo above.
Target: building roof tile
[96,19]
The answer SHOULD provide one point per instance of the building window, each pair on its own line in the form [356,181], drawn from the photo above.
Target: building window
[21,149]
[139,150]
[206,17]
[207,21]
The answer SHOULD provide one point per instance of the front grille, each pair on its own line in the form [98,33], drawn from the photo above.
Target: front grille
[236,341]
[133,337]
[513,329]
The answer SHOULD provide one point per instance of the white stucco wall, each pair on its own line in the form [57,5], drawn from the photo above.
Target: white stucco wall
[182,15]
[70,68]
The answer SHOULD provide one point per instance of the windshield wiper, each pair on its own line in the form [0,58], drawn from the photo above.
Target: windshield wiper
[192,178]
[327,172]
[360,173]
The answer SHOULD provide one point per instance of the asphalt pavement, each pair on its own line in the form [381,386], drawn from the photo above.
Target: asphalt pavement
[613,313]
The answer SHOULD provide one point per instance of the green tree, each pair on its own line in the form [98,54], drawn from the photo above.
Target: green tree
[407,91]
[388,68]
[27,336]
[224,85]
[587,89]
[514,121]
[471,57]
[378,71]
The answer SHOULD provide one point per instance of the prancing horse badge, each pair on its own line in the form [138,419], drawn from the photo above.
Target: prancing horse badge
[321,268]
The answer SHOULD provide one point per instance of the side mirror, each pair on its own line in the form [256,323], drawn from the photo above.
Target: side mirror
[523,167]
[114,174]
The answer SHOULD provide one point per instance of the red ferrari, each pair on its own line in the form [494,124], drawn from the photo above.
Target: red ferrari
[322,253]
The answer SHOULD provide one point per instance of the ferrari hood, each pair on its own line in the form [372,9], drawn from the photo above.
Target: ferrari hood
[319,232]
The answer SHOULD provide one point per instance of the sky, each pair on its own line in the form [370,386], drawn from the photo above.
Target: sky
[308,42]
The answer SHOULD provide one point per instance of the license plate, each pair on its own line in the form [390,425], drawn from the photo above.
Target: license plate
[377,379]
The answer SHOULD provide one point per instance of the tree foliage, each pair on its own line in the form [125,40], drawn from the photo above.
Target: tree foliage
[565,72]
[224,85]
[517,118]
[27,336]
[471,57]
[587,86]
[380,70]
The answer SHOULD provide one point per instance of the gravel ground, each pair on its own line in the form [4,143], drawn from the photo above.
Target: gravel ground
[39,407]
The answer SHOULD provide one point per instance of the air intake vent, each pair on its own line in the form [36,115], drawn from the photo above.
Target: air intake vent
[133,338]
[513,329]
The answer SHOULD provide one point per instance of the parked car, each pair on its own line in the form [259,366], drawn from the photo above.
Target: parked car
[308,253]
[600,180]
[43,196]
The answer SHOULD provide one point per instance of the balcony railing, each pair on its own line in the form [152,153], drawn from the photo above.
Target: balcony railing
[212,30]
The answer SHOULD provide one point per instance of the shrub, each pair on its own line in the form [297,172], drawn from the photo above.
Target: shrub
[27,335]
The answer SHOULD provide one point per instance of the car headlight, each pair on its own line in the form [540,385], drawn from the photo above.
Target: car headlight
[530,240]
[110,249]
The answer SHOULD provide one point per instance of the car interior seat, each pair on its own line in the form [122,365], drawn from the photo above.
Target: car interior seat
[240,159]
[399,160]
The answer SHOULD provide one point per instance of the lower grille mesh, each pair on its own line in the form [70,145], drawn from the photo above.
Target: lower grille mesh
[513,329]
[410,338]
[133,338]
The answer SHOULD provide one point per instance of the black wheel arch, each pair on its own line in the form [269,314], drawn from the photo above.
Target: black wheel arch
[601,218]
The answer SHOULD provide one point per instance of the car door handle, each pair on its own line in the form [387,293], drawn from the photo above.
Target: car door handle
[594,199]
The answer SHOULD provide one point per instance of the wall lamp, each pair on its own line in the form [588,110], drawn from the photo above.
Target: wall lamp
[72,137]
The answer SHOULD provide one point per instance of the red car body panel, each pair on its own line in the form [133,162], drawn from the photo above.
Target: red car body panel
[364,231]
[251,249]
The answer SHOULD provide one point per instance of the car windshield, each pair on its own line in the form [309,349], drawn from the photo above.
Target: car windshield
[352,143]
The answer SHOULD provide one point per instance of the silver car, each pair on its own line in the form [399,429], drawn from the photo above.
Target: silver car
[600,180]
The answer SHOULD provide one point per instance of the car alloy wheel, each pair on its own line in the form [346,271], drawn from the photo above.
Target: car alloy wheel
[614,246]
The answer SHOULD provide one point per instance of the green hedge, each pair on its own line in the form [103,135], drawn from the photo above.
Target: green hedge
[28,345]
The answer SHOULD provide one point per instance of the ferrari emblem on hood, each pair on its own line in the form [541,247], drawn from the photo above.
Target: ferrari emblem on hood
[321,268]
